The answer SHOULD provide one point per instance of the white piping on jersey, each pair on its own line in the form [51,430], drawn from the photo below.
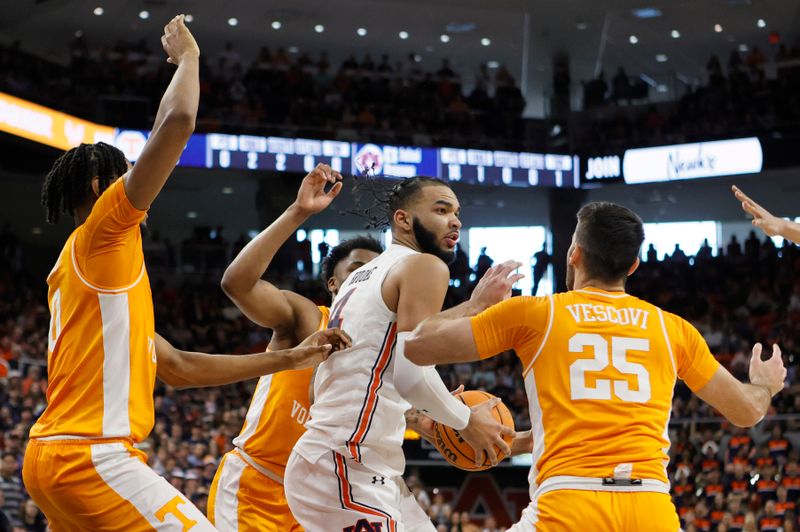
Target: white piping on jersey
[566,482]
[546,334]
[537,427]
[66,437]
[254,413]
[604,294]
[669,345]
[116,319]
[97,288]
[263,470]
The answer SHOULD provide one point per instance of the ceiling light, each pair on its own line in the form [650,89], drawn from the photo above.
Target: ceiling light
[361,32]
[191,215]
[227,190]
[98,11]
[647,12]
[293,49]
[485,41]
[662,88]
[581,25]
[444,37]
[676,34]
[761,23]
[661,58]
[144,15]
[493,64]
[319,28]
[717,28]
[188,17]
[403,35]
[233,21]
[417,58]
[743,48]
[633,39]
[79,34]
[276,24]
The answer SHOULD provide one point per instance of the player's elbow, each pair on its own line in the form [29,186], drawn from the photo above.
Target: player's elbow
[745,415]
[232,286]
[180,122]
[416,352]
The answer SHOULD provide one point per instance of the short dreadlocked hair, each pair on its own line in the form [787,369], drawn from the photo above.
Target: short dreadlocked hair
[338,253]
[69,182]
[377,202]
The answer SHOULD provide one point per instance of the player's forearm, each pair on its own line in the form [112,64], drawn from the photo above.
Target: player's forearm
[755,402]
[523,443]
[251,263]
[415,420]
[180,101]
[790,231]
[196,370]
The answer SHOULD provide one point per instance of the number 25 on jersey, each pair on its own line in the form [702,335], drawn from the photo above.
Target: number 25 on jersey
[602,389]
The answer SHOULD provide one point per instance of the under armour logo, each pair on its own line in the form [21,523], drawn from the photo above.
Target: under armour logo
[376,480]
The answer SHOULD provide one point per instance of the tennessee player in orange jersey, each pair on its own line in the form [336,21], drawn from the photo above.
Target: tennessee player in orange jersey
[247,491]
[600,367]
[80,465]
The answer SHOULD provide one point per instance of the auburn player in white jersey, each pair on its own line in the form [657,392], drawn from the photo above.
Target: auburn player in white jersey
[247,493]
[80,465]
[600,367]
[345,471]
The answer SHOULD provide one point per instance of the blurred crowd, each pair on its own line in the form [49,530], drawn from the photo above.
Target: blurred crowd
[737,99]
[283,90]
[723,478]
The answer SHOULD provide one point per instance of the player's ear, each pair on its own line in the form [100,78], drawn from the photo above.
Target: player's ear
[574,255]
[96,186]
[402,219]
[634,267]
[333,285]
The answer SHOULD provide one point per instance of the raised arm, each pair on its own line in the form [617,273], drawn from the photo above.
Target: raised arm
[766,221]
[260,300]
[187,369]
[742,404]
[175,119]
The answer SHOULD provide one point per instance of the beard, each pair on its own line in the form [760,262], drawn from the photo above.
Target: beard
[426,240]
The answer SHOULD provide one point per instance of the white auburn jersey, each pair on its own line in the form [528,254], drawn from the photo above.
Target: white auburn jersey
[357,411]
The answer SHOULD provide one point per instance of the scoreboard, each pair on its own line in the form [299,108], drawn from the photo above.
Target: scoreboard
[284,154]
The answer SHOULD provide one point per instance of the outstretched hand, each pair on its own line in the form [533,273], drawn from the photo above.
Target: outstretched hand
[771,372]
[178,41]
[763,219]
[495,285]
[312,198]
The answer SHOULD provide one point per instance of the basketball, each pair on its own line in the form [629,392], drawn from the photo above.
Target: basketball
[457,451]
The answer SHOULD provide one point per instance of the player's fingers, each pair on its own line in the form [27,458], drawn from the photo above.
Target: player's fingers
[491,454]
[488,405]
[516,277]
[337,175]
[756,356]
[335,189]
[504,447]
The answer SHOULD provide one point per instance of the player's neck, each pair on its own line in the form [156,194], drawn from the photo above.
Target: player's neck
[81,213]
[599,285]
[402,240]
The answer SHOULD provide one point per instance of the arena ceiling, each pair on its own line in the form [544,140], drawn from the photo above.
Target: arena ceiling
[595,34]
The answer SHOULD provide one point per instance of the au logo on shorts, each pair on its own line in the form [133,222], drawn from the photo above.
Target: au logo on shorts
[364,526]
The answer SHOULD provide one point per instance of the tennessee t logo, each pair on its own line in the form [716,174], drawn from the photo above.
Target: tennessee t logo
[172,508]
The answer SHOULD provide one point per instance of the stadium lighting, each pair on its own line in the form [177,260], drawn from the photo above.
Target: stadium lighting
[188,18]
[676,34]
[633,39]
[403,35]
[98,11]
[319,28]
[493,64]
[233,21]
[486,42]
[361,32]
[761,23]
[276,24]
[661,58]
[444,37]
[717,28]
[144,15]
